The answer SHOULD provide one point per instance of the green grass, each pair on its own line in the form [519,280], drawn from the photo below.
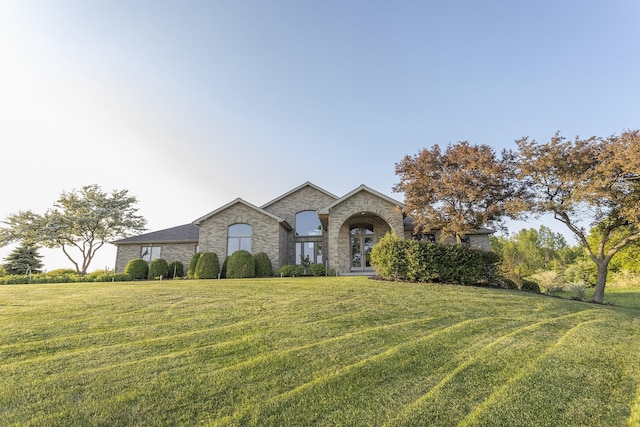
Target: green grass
[316,351]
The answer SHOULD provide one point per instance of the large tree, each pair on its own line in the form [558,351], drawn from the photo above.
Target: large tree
[24,259]
[590,185]
[459,190]
[80,223]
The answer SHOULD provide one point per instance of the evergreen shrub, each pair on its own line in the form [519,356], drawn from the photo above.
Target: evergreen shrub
[158,268]
[530,286]
[191,271]
[263,265]
[395,258]
[241,265]
[318,270]
[208,266]
[137,268]
[176,267]
[290,270]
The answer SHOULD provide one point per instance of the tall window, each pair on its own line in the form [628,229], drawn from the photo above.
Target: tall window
[308,238]
[149,253]
[239,237]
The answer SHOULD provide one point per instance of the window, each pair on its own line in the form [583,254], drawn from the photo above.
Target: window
[308,238]
[149,253]
[239,238]
[308,224]
[311,249]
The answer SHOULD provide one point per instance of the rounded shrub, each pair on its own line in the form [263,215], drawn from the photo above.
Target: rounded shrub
[263,265]
[176,268]
[208,266]
[158,268]
[388,257]
[241,265]
[191,271]
[137,268]
[223,270]
[530,286]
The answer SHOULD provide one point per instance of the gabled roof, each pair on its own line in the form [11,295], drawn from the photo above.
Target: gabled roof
[300,187]
[245,203]
[325,210]
[186,233]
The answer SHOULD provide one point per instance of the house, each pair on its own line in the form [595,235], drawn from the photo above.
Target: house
[306,223]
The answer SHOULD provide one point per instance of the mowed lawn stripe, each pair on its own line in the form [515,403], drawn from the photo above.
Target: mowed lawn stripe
[326,351]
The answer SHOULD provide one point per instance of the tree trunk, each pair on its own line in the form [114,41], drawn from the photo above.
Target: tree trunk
[601,280]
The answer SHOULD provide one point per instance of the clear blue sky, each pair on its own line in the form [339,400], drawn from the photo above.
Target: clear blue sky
[190,104]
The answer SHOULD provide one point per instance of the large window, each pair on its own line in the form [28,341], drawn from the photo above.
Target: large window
[308,238]
[149,253]
[239,237]
[308,224]
[310,249]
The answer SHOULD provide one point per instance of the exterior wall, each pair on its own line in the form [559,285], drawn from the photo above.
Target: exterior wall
[305,199]
[170,252]
[265,232]
[340,218]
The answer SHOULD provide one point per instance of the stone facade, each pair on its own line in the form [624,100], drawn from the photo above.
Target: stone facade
[266,231]
[348,227]
[169,251]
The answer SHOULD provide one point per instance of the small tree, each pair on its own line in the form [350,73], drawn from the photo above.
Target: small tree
[81,221]
[207,266]
[24,259]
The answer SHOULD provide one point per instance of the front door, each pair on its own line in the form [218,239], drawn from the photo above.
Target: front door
[361,245]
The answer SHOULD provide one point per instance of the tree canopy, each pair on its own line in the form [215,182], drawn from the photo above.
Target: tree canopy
[592,186]
[80,223]
[457,191]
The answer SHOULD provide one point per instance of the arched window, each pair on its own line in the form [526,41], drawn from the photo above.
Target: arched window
[239,237]
[308,224]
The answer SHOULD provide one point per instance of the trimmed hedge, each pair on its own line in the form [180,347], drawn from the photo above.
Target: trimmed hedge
[397,259]
[96,276]
[263,265]
[137,268]
[208,266]
[159,268]
[191,271]
[176,267]
[291,271]
[241,265]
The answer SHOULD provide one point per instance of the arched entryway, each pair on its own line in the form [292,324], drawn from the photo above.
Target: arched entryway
[358,234]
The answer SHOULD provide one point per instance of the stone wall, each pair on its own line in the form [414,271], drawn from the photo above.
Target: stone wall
[306,198]
[266,232]
[170,252]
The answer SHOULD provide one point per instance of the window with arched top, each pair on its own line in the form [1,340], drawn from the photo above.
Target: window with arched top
[308,224]
[239,237]
[308,238]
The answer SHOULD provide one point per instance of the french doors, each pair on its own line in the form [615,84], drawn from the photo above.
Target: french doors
[361,245]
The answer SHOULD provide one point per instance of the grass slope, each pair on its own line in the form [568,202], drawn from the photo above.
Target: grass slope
[324,351]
